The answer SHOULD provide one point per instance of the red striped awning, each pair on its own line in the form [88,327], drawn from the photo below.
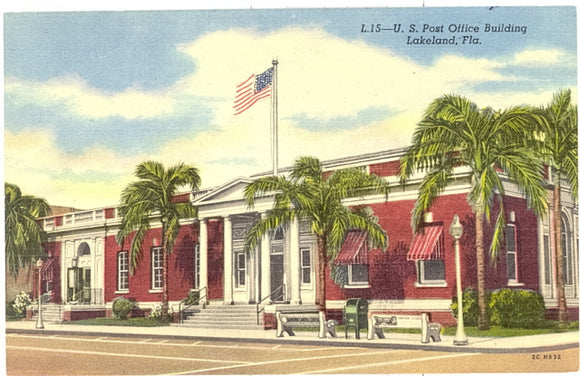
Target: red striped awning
[427,246]
[46,269]
[354,250]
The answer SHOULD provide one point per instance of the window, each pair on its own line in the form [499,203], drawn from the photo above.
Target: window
[240,269]
[123,270]
[567,252]
[157,268]
[547,261]
[431,272]
[305,265]
[358,274]
[511,248]
[84,249]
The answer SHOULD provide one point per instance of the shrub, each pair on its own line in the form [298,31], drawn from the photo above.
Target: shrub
[192,297]
[157,313]
[20,303]
[517,309]
[507,308]
[470,307]
[122,307]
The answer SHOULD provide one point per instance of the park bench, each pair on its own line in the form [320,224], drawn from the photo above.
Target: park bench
[285,321]
[429,330]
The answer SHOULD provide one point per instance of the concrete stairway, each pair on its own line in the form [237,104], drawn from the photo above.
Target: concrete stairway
[50,313]
[218,316]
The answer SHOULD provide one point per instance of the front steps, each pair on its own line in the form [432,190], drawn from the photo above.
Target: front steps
[52,313]
[219,316]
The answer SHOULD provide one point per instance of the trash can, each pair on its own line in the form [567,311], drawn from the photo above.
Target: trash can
[355,315]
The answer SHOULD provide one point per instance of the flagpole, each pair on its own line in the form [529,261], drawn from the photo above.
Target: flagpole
[275,116]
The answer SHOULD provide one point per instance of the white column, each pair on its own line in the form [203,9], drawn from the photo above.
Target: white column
[265,249]
[228,255]
[295,263]
[203,257]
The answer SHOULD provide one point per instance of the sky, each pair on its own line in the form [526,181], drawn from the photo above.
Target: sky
[90,94]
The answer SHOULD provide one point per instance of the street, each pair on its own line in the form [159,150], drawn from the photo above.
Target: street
[89,355]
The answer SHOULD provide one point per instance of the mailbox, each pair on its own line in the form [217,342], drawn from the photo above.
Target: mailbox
[355,315]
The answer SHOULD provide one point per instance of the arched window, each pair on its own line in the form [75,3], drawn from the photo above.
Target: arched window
[84,249]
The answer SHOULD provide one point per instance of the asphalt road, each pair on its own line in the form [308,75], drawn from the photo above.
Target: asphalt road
[89,355]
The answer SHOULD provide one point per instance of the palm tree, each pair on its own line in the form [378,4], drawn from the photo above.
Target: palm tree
[308,194]
[558,146]
[151,197]
[455,132]
[24,236]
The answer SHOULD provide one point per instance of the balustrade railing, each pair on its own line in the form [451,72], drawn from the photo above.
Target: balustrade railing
[76,218]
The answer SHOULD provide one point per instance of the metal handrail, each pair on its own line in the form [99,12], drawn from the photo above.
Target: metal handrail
[195,302]
[258,310]
[95,296]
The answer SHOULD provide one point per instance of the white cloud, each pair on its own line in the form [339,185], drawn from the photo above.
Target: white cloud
[325,77]
[541,58]
[321,77]
[86,102]
[33,161]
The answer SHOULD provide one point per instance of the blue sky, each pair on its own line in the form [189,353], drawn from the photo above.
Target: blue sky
[88,95]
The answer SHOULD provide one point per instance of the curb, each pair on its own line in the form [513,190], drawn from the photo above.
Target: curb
[327,342]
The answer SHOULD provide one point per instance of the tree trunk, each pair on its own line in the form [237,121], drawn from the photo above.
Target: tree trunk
[321,275]
[482,323]
[557,234]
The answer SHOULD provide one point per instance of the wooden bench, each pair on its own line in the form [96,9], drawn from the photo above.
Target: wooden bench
[429,330]
[285,321]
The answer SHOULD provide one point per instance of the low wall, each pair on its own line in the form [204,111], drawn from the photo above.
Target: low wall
[69,315]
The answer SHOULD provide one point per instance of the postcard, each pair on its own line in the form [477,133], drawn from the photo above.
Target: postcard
[273,188]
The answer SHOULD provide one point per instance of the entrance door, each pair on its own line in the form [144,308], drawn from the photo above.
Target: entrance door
[86,285]
[79,285]
[277,277]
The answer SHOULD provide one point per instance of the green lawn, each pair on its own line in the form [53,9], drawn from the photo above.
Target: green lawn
[137,321]
[496,331]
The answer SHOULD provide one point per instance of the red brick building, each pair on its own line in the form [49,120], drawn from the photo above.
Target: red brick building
[88,269]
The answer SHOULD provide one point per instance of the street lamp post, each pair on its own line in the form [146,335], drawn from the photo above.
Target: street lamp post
[456,231]
[39,323]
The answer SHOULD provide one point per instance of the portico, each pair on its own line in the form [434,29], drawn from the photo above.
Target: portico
[279,270]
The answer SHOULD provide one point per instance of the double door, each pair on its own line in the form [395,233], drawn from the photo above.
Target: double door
[79,285]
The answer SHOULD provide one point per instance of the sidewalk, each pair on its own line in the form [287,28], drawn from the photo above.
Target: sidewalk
[527,344]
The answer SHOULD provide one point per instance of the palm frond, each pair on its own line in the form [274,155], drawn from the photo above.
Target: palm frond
[307,168]
[264,186]
[353,182]
[152,197]
[498,233]
[430,188]
[260,228]
[24,236]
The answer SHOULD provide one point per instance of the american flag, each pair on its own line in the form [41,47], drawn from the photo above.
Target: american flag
[253,89]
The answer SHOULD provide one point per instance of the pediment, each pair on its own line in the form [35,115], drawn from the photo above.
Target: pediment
[231,191]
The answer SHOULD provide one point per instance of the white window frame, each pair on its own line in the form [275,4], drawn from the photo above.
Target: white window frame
[358,284]
[240,271]
[306,269]
[422,281]
[123,271]
[156,268]
[514,252]
[567,253]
